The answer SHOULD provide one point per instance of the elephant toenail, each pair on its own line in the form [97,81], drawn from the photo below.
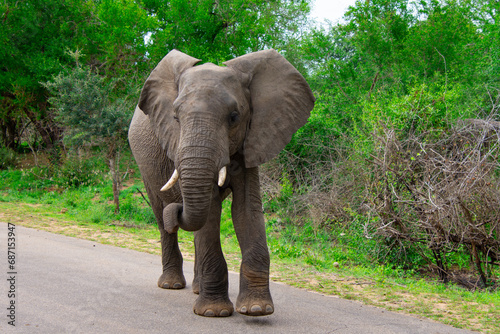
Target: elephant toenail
[177,285]
[256,309]
[243,309]
[269,309]
[224,313]
[166,286]
[209,313]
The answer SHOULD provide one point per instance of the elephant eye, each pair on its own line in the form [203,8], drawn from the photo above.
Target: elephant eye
[234,117]
[176,119]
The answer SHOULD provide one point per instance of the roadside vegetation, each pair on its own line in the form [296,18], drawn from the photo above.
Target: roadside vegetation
[389,194]
[332,262]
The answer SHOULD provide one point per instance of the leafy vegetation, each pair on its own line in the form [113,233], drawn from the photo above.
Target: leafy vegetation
[395,176]
[83,104]
[407,109]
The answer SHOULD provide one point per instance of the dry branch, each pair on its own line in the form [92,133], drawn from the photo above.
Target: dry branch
[441,190]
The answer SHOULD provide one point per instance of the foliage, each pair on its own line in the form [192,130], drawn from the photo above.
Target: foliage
[35,36]
[437,192]
[79,188]
[84,104]
[123,40]
[415,70]
[79,171]
[7,158]
[219,30]
[75,171]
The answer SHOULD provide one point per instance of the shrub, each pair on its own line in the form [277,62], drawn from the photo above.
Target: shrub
[437,193]
[77,171]
[7,158]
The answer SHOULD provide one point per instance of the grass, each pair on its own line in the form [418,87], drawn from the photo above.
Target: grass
[329,262]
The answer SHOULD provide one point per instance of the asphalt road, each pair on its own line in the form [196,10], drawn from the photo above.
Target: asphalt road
[68,285]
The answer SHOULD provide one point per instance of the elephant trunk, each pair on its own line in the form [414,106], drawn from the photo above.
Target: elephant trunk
[199,175]
[197,187]
[202,153]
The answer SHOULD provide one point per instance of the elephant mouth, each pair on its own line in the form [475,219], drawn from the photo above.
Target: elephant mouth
[175,177]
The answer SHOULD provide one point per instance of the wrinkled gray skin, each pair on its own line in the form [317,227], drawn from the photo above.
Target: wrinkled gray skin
[198,119]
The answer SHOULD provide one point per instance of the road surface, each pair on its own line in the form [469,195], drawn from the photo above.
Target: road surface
[68,285]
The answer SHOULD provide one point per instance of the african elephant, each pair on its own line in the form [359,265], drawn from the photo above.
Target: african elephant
[198,134]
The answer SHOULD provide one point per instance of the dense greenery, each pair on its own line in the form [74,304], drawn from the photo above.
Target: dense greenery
[121,39]
[404,135]
[398,161]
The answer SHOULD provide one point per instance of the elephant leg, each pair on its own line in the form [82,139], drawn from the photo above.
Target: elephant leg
[171,257]
[254,298]
[211,268]
[196,279]
[156,169]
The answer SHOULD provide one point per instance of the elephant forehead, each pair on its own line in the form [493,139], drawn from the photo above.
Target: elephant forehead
[210,74]
[212,85]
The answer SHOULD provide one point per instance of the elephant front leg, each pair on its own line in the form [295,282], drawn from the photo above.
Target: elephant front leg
[211,276]
[254,298]
[172,276]
[171,257]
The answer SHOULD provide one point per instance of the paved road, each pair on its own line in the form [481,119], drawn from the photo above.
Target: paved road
[68,285]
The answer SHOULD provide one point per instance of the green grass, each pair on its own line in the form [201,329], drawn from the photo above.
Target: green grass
[336,261]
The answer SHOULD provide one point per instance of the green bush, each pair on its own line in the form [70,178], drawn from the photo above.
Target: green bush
[7,158]
[80,171]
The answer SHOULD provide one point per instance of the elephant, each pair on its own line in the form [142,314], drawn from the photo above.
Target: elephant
[199,133]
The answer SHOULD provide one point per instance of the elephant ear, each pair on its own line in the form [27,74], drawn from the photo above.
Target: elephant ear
[281,103]
[158,95]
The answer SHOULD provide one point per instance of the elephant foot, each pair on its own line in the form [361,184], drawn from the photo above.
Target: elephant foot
[255,304]
[213,308]
[254,298]
[170,280]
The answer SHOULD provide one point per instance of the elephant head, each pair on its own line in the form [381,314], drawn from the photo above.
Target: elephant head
[205,114]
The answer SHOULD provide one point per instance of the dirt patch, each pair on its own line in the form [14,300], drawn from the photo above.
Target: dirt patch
[33,205]
[28,160]
[128,183]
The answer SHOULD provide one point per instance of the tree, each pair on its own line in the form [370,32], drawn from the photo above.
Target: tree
[219,30]
[120,40]
[394,84]
[84,104]
[35,36]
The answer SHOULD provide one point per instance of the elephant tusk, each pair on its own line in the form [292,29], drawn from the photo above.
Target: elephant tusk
[222,176]
[171,182]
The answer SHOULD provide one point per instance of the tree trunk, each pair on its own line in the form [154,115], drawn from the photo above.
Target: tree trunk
[479,266]
[46,127]
[9,131]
